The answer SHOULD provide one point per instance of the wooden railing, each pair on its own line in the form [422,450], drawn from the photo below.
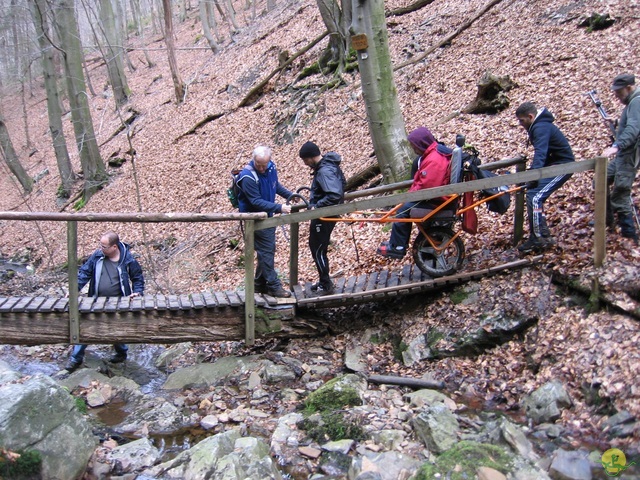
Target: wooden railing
[259,221]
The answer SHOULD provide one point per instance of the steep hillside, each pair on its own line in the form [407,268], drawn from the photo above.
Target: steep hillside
[538,44]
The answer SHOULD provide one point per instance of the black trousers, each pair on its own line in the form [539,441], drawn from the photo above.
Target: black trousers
[319,238]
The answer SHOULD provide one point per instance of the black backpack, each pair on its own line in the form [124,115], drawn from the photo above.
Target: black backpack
[499,204]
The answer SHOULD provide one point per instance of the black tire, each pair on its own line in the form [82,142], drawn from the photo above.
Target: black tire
[434,263]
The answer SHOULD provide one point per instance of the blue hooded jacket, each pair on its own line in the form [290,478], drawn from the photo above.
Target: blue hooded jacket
[130,271]
[258,190]
[550,145]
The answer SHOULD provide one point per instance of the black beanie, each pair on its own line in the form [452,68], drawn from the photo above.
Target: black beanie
[309,150]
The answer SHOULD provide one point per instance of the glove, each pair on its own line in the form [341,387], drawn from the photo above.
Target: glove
[531,184]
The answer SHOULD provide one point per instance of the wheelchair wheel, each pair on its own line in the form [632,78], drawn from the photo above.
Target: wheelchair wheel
[433,261]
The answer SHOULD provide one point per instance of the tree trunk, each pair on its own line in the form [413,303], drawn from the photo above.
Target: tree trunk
[114,52]
[171,51]
[10,156]
[232,16]
[334,55]
[384,116]
[95,175]
[43,30]
[135,14]
[204,18]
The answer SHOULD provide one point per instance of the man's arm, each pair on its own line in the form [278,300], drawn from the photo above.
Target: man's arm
[86,271]
[629,136]
[251,191]
[540,135]
[136,277]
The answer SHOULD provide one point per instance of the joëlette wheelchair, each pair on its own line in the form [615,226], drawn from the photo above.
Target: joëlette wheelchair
[438,249]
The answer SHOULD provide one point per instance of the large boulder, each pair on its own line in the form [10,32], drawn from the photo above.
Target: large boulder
[546,403]
[38,414]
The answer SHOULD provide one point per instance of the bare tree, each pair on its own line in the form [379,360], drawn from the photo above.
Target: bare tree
[333,57]
[11,158]
[95,175]
[208,22]
[171,51]
[384,116]
[49,51]
[113,52]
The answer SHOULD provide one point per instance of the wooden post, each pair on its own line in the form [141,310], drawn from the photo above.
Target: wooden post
[294,243]
[249,287]
[518,212]
[72,263]
[600,212]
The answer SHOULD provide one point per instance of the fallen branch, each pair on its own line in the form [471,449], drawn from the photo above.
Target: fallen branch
[448,39]
[255,90]
[204,121]
[406,382]
[408,9]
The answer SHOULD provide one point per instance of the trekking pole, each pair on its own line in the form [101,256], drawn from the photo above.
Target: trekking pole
[593,95]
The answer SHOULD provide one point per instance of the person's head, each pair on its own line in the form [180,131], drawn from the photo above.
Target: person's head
[420,139]
[261,158]
[109,243]
[526,114]
[310,154]
[623,86]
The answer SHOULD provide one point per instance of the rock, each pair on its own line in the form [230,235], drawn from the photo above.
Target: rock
[164,359]
[209,422]
[274,374]
[437,427]
[516,438]
[353,359]
[40,415]
[618,419]
[486,473]
[7,374]
[133,456]
[310,452]
[426,396]
[383,466]
[570,465]
[347,390]
[545,404]
[341,446]
[206,374]
[286,433]
[389,439]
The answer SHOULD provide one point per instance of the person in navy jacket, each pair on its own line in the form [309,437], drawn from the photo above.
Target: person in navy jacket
[550,148]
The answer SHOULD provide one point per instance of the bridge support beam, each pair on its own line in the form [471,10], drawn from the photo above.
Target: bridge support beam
[249,287]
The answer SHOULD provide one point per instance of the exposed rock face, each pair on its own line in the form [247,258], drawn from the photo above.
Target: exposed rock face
[546,403]
[38,414]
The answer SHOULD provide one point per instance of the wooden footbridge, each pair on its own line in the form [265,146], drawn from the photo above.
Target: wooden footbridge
[235,315]
[210,316]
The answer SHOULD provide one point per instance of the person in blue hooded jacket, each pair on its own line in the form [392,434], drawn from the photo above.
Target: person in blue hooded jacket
[327,188]
[550,148]
[258,184]
[110,271]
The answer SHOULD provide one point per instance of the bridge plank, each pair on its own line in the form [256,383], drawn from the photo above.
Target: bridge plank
[209,300]
[47,305]
[338,286]
[21,304]
[149,302]
[198,300]
[173,302]
[111,305]
[361,281]
[124,303]
[2,301]
[298,292]
[234,298]
[185,302]
[85,304]
[348,287]
[405,277]
[372,281]
[61,305]
[98,305]
[35,304]
[161,302]
[136,304]
[222,299]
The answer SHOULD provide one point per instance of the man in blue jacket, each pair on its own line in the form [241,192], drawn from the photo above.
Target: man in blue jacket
[550,148]
[622,170]
[327,188]
[258,184]
[110,271]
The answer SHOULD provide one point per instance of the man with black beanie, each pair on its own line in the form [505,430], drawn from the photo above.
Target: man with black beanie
[327,188]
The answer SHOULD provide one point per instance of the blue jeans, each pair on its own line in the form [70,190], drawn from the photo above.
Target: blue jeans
[78,351]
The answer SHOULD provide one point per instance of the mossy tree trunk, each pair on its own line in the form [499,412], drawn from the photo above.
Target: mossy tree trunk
[384,116]
[333,16]
[114,54]
[11,158]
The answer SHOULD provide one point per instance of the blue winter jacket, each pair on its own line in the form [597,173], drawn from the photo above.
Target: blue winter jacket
[550,145]
[258,190]
[129,270]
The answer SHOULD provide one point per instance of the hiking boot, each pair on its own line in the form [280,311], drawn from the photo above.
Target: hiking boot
[260,288]
[118,358]
[534,244]
[72,365]
[314,286]
[322,291]
[279,292]
[391,251]
[548,241]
